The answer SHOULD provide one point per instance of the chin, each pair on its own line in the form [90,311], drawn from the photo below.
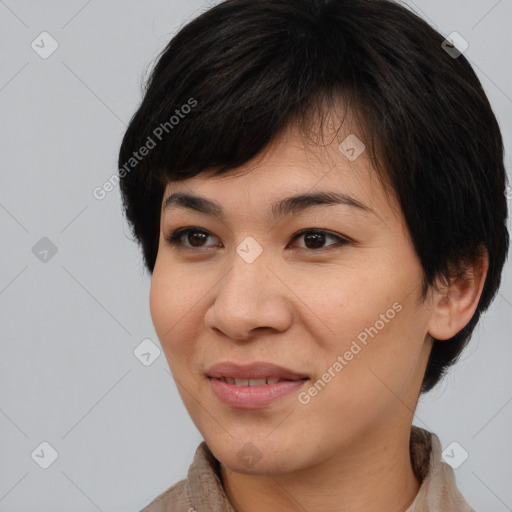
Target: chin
[253,457]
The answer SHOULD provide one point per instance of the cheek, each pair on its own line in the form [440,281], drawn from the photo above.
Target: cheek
[171,294]
[160,303]
[174,308]
[349,306]
[168,305]
[378,330]
[388,365]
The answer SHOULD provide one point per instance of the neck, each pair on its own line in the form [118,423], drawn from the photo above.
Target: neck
[373,474]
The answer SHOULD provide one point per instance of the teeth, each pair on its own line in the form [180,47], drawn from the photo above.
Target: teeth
[256,382]
[250,382]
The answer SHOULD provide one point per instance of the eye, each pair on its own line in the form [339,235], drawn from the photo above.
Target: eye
[314,239]
[194,236]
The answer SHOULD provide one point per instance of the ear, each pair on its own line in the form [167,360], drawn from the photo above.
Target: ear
[455,304]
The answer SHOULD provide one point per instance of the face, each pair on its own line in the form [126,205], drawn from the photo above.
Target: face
[323,295]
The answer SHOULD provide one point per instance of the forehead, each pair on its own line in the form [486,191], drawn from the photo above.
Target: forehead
[293,165]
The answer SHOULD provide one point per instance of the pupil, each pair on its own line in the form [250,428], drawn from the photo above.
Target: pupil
[318,240]
[195,235]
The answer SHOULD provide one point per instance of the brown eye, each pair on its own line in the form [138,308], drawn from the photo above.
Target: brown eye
[315,239]
[195,238]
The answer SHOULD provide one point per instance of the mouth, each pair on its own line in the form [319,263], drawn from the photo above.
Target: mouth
[253,374]
[253,386]
[254,382]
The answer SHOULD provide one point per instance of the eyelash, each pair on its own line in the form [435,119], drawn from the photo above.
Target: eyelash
[174,239]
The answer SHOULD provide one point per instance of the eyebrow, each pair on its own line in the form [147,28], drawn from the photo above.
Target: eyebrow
[287,206]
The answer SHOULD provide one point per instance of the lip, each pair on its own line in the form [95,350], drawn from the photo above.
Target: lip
[256,370]
[253,397]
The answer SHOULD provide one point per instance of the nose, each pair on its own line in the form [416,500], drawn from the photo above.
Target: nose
[250,297]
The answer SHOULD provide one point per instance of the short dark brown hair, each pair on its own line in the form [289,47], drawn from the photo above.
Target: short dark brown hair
[238,75]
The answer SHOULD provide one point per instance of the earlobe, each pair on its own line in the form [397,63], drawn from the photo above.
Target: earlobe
[454,305]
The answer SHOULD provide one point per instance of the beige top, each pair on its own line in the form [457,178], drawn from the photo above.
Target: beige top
[202,490]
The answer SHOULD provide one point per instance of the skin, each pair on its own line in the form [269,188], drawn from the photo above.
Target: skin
[298,307]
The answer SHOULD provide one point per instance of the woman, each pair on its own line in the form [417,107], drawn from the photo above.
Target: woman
[318,189]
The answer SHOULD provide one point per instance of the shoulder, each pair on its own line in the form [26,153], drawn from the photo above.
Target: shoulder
[438,491]
[202,487]
[173,499]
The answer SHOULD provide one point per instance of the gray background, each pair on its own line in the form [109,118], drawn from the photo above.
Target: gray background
[69,325]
